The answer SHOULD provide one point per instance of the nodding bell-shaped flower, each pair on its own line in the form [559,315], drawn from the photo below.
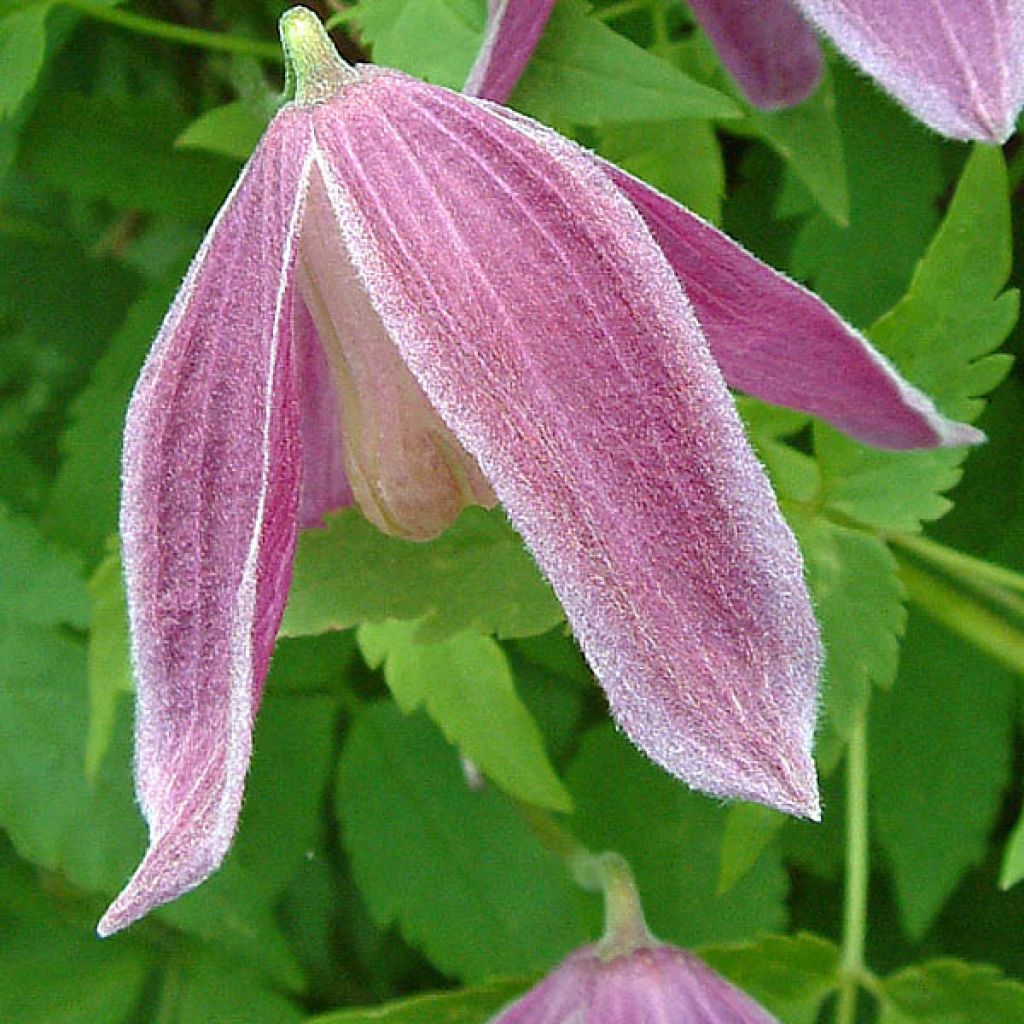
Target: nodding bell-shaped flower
[416,301]
[957,65]
[631,978]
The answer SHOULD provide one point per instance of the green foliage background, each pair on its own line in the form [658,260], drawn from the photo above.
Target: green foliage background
[371,866]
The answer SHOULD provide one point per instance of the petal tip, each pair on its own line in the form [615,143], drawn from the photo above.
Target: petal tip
[953,434]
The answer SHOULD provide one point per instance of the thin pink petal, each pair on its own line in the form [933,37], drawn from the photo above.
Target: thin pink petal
[513,30]
[958,65]
[767,47]
[211,489]
[778,341]
[324,483]
[530,302]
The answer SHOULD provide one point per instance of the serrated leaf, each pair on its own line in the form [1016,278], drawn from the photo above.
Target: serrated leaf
[672,838]
[126,156]
[859,604]
[791,976]
[40,583]
[940,762]
[465,1006]
[456,868]
[231,130]
[952,992]
[22,49]
[583,72]
[807,137]
[466,686]
[682,159]
[108,659]
[477,576]
[939,335]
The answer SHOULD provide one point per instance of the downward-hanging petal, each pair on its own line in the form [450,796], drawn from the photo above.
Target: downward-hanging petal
[542,322]
[779,342]
[325,485]
[766,46]
[513,29]
[211,492]
[958,65]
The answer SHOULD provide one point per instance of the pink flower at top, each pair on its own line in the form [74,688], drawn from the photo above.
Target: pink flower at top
[416,301]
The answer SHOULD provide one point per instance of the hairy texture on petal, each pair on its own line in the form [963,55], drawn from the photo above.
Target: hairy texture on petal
[958,65]
[767,47]
[779,342]
[529,300]
[208,520]
[513,29]
[658,983]
[325,486]
[409,475]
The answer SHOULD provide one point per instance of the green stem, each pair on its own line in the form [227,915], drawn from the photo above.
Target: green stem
[966,617]
[220,41]
[855,905]
[965,567]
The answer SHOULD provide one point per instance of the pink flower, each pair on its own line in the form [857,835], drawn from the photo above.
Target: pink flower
[957,65]
[417,301]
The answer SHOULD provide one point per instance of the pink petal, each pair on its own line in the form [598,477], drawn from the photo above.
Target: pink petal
[958,65]
[779,342]
[409,476]
[529,301]
[766,46]
[211,489]
[324,484]
[513,30]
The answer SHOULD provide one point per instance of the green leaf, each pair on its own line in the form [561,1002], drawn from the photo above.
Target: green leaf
[126,156]
[108,660]
[1013,857]
[791,976]
[465,1006]
[22,49]
[82,507]
[952,992]
[807,137]
[749,830]
[41,583]
[682,159]
[231,130]
[476,576]
[584,72]
[858,600]
[457,868]
[466,686]
[895,177]
[939,335]
[204,987]
[672,838]
[432,39]
[940,762]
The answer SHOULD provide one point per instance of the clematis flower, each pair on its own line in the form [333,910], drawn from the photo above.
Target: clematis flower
[631,978]
[957,65]
[415,301]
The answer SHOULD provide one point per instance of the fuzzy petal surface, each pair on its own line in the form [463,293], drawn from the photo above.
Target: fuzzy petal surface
[652,985]
[325,485]
[513,29]
[530,302]
[779,342]
[958,65]
[212,472]
[766,45]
